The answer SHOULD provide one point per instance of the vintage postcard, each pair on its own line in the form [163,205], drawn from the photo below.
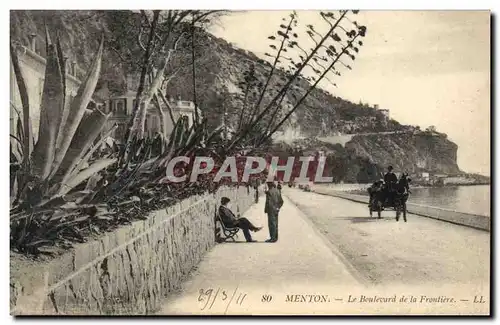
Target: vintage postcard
[217,162]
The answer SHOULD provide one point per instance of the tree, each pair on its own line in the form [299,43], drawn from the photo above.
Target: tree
[159,34]
[293,64]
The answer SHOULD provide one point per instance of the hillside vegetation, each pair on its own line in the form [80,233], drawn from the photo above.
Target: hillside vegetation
[219,71]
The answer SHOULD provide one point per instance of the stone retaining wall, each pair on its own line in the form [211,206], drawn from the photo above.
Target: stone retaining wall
[128,271]
[461,218]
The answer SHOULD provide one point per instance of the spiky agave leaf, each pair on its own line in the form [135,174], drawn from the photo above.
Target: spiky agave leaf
[77,108]
[185,134]
[193,131]
[16,148]
[89,153]
[165,157]
[197,137]
[88,130]
[23,92]
[85,174]
[51,110]
[65,110]
[179,133]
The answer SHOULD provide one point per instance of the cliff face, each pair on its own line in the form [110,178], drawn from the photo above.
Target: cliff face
[364,159]
[219,70]
[407,152]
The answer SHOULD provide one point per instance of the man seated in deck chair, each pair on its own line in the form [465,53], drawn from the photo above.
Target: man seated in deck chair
[231,221]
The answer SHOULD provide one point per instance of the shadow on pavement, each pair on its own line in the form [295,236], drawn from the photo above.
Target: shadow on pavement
[365,219]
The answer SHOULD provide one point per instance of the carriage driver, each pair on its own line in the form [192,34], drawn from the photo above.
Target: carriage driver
[390,180]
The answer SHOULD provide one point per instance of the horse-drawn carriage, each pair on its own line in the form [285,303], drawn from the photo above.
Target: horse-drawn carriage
[392,196]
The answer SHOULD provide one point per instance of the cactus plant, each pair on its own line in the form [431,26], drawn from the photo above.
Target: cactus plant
[67,130]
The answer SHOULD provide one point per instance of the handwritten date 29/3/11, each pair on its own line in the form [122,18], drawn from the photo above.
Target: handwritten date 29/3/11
[208,297]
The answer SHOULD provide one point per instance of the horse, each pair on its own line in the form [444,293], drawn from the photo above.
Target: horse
[379,195]
[401,197]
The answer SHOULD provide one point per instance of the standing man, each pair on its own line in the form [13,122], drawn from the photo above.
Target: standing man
[256,188]
[274,202]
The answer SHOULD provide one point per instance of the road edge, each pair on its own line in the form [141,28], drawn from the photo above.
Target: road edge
[409,212]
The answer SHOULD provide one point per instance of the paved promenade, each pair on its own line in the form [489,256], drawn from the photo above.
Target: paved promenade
[300,261]
[329,251]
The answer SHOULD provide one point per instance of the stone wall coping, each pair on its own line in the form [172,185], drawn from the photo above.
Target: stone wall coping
[48,289]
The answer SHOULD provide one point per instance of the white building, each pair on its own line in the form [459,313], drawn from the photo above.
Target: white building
[32,64]
[122,107]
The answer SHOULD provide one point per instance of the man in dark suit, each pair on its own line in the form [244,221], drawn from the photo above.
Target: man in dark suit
[274,202]
[231,221]
[390,180]
[390,177]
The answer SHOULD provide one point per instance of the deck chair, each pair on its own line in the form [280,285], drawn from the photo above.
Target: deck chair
[228,232]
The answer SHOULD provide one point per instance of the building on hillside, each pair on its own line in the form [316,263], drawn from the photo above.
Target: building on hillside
[32,64]
[121,108]
[385,112]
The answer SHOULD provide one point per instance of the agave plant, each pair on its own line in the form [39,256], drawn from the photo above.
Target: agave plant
[184,140]
[59,160]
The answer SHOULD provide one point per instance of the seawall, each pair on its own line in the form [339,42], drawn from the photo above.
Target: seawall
[460,218]
[127,271]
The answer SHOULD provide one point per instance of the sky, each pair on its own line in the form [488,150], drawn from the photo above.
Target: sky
[426,67]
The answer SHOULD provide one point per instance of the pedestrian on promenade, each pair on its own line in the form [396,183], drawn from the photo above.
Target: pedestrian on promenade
[256,187]
[231,221]
[274,202]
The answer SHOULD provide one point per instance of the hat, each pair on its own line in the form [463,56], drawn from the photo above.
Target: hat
[224,200]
